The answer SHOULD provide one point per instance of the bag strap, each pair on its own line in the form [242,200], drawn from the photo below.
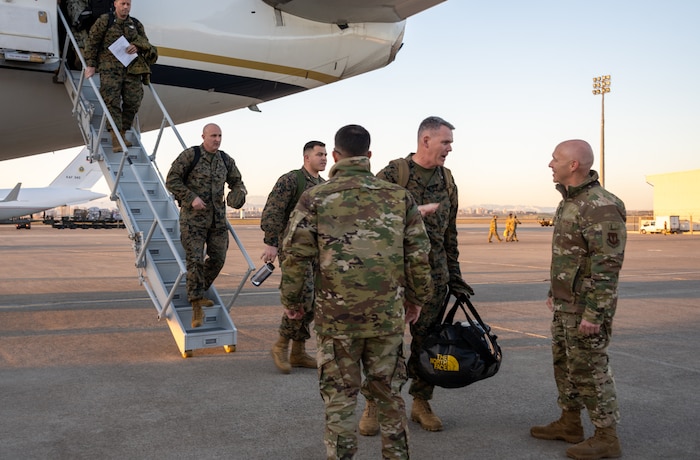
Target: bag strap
[195,160]
[460,301]
[404,173]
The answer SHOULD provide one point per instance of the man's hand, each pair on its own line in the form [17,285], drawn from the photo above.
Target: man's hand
[198,204]
[550,304]
[427,209]
[412,312]
[588,328]
[460,287]
[269,254]
[293,314]
[89,72]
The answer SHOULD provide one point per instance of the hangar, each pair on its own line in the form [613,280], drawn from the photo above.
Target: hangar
[677,193]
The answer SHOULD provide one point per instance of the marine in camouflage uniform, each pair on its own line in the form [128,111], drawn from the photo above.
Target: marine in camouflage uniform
[121,87]
[588,248]
[369,249]
[73,10]
[429,185]
[275,215]
[203,212]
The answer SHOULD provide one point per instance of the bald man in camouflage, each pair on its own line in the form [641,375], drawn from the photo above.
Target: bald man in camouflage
[199,188]
[588,247]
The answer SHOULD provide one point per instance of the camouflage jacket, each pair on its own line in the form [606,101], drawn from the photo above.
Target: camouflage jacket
[588,247]
[367,243]
[102,35]
[279,205]
[441,226]
[206,180]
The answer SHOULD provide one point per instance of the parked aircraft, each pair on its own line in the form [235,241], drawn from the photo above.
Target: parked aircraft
[68,188]
[215,56]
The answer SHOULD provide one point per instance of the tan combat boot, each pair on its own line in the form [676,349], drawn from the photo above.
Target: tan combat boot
[203,302]
[369,423]
[299,357]
[280,353]
[127,143]
[568,428]
[116,147]
[603,444]
[197,315]
[423,414]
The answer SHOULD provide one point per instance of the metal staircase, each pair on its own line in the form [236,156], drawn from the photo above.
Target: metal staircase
[149,213]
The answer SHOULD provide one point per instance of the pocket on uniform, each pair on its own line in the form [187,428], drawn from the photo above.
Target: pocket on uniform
[400,376]
[329,378]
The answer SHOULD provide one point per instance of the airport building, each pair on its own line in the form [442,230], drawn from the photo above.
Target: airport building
[677,193]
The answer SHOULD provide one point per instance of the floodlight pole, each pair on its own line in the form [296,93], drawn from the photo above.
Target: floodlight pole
[601,85]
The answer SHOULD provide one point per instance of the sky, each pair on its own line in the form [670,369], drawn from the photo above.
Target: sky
[514,77]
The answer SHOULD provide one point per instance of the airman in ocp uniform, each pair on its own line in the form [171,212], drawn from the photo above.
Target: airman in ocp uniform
[588,248]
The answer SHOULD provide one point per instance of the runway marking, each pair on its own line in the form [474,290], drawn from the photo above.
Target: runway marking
[529,334]
[654,361]
[658,274]
[82,302]
[535,267]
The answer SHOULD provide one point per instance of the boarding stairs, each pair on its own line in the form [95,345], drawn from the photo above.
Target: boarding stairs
[150,214]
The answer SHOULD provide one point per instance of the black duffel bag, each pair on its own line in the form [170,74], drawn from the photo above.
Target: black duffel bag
[457,354]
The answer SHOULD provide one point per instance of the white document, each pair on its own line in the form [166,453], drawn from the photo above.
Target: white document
[118,48]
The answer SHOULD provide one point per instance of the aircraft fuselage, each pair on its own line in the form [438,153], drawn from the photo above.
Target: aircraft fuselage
[214,57]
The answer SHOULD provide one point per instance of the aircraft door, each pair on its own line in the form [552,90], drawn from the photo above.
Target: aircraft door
[29,32]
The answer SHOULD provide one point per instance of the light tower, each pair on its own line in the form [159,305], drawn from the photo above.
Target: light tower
[601,85]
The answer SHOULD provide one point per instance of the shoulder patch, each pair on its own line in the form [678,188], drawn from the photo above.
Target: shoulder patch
[613,239]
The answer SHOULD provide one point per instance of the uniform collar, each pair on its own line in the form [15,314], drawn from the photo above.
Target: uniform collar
[350,165]
[572,190]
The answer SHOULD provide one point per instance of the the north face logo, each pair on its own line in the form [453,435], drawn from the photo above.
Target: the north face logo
[445,363]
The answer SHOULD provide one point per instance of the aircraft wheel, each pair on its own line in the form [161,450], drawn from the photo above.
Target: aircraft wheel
[187,354]
[229,348]
[642,231]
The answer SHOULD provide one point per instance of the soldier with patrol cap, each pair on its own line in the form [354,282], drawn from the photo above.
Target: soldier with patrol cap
[588,247]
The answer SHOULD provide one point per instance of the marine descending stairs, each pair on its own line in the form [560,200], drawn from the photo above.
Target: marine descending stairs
[150,215]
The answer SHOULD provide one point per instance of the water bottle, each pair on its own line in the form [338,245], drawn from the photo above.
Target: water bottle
[262,274]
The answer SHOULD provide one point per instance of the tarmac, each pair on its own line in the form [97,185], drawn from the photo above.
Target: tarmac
[88,372]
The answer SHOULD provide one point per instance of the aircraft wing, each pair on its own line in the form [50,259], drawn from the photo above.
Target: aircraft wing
[352,11]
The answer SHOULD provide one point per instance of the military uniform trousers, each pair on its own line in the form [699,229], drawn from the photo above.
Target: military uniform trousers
[430,317]
[298,329]
[201,273]
[382,363]
[582,369]
[122,93]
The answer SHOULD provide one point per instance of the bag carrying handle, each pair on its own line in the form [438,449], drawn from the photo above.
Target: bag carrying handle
[460,301]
